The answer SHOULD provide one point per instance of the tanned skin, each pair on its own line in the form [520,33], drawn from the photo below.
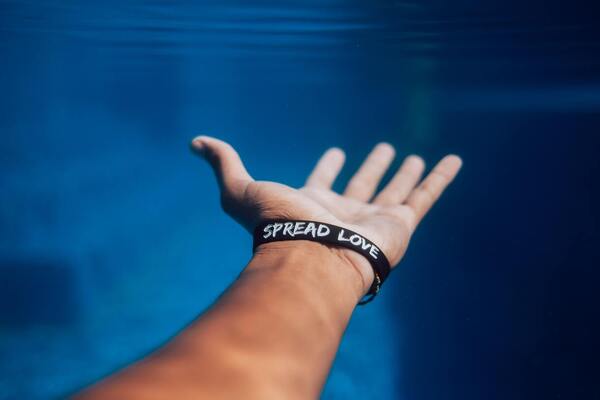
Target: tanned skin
[275,332]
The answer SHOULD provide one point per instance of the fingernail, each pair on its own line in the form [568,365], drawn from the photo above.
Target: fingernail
[198,145]
[198,139]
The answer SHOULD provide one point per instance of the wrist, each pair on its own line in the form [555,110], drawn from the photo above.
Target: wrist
[350,270]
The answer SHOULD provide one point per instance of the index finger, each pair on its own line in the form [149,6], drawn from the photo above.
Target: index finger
[327,169]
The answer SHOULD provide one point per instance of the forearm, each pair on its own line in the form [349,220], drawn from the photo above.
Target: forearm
[273,334]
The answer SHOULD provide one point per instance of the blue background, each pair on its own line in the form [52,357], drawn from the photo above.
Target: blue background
[111,236]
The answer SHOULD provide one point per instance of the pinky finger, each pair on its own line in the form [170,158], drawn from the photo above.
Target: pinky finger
[426,194]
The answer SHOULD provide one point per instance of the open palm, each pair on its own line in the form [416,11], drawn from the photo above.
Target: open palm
[387,218]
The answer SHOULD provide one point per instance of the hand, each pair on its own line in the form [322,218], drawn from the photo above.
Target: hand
[388,219]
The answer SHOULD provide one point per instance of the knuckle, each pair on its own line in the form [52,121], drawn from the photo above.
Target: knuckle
[379,163]
[441,175]
[427,192]
[360,182]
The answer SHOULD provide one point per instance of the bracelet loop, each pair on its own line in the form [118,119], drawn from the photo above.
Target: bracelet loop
[280,230]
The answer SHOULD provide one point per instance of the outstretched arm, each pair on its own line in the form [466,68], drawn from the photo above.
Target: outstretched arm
[275,332]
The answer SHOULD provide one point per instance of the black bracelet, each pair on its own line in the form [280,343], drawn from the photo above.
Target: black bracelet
[279,230]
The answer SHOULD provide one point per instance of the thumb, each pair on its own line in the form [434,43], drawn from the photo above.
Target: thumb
[226,164]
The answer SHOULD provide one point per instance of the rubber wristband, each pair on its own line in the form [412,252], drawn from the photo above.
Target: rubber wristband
[281,230]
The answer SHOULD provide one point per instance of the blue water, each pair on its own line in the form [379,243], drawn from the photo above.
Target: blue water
[110,228]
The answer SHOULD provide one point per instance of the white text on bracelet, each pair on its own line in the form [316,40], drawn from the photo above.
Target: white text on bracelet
[315,230]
